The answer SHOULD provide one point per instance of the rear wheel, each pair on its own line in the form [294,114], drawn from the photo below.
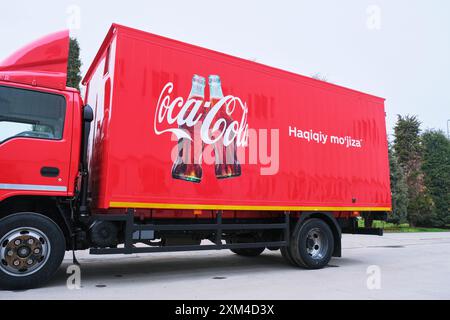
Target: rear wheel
[287,255]
[312,244]
[32,248]
[248,252]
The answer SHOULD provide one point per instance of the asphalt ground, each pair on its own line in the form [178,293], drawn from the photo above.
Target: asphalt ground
[396,266]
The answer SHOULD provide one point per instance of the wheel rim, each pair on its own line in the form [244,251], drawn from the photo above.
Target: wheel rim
[316,244]
[24,251]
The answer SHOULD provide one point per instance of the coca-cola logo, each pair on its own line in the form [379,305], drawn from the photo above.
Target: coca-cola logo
[175,113]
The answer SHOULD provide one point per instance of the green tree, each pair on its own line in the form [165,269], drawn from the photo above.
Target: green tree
[408,148]
[436,168]
[399,190]
[74,65]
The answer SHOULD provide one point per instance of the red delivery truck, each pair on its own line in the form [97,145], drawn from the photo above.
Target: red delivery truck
[173,145]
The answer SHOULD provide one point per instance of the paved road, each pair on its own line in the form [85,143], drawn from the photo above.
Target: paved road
[411,266]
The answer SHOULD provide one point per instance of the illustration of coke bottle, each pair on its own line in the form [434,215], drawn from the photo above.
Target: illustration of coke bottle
[227,164]
[187,166]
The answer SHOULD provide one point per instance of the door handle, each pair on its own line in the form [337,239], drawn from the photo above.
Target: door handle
[49,172]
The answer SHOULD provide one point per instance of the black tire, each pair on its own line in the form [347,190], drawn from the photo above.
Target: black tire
[45,269]
[248,252]
[287,256]
[312,244]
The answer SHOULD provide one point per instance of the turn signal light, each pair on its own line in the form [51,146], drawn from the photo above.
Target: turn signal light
[356,214]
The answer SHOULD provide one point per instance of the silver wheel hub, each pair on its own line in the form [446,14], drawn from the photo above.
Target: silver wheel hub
[316,244]
[23,251]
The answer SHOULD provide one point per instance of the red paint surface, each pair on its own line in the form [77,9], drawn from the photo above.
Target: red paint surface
[42,63]
[42,66]
[130,163]
[22,158]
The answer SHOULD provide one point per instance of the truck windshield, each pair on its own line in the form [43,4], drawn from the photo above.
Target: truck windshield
[31,114]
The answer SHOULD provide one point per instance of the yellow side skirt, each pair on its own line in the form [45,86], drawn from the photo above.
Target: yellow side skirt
[140,205]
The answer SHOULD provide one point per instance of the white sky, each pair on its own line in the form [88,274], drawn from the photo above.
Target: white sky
[401,54]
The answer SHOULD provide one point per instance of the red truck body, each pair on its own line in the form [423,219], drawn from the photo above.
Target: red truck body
[311,145]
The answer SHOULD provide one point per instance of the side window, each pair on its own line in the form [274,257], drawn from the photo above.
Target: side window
[32,114]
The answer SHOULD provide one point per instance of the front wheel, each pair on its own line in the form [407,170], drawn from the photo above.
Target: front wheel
[312,244]
[32,248]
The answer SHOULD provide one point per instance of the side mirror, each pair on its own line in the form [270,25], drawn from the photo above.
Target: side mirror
[88,114]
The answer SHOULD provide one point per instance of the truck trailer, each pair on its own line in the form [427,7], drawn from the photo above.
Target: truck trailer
[174,147]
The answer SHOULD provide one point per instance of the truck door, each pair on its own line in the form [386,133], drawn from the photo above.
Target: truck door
[35,141]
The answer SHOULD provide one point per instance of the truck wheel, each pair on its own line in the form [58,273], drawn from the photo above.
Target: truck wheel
[248,252]
[287,256]
[32,248]
[312,244]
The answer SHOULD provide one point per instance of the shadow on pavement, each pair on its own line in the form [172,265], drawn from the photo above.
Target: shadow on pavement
[153,269]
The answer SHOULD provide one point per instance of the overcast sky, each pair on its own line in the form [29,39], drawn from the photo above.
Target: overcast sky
[396,49]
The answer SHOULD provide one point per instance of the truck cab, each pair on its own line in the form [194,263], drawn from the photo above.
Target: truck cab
[39,122]
[40,136]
